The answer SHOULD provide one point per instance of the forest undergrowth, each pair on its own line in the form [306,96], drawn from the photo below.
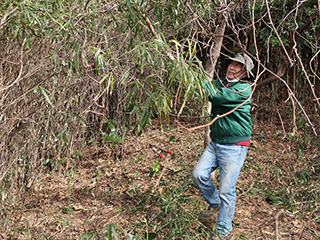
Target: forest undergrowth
[139,195]
[77,87]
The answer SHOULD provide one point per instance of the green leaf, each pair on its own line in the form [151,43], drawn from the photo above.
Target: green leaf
[79,118]
[44,93]
[151,236]
[172,140]
[62,133]
[16,32]
[3,194]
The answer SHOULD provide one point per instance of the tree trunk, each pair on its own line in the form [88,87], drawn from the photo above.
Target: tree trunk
[210,64]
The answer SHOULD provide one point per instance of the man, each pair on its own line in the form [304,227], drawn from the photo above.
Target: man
[230,138]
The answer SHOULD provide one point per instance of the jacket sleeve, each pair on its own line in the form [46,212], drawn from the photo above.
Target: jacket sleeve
[229,97]
[209,88]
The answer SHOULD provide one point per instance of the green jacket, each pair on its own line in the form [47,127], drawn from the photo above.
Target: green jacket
[237,126]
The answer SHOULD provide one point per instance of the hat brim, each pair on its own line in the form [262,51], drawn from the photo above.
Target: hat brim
[229,60]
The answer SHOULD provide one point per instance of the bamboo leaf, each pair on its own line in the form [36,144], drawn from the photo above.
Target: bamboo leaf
[43,91]
[194,49]
[79,118]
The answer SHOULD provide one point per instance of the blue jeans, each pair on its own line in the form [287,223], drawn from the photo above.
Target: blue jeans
[230,158]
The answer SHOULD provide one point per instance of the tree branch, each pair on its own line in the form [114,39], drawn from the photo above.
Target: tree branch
[151,28]
[21,69]
[300,61]
[281,71]
[276,32]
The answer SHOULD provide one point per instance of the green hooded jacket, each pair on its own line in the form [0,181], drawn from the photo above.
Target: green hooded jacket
[236,126]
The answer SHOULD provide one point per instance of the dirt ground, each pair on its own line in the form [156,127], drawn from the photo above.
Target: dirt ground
[66,206]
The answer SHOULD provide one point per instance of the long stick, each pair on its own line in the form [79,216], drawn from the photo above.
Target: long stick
[161,174]
[276,217]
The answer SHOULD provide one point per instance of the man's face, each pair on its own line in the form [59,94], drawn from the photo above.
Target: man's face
[235,70]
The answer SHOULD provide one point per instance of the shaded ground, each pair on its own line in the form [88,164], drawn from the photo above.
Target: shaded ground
[278,174]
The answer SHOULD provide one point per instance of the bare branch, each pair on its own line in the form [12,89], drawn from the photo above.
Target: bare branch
[317,99]
[276,32]
[287,86]
[279,74]
[294,97]
[300,61]
[151,28]
[276,217]
[283,129]
[5,16]
[82,50]
[21,69]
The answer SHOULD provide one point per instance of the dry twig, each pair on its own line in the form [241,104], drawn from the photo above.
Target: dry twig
[284,131]
[276,217]
[300,61]
[21,69]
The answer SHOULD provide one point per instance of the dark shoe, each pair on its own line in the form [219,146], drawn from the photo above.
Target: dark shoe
[210,213]
[221,237]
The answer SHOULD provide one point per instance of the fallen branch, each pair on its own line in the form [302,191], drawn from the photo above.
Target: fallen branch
[314,210]
[161,174]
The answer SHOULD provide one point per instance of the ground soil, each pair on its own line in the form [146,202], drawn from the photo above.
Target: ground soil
[87,198]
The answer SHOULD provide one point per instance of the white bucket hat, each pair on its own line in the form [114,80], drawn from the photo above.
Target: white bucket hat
[246,60]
